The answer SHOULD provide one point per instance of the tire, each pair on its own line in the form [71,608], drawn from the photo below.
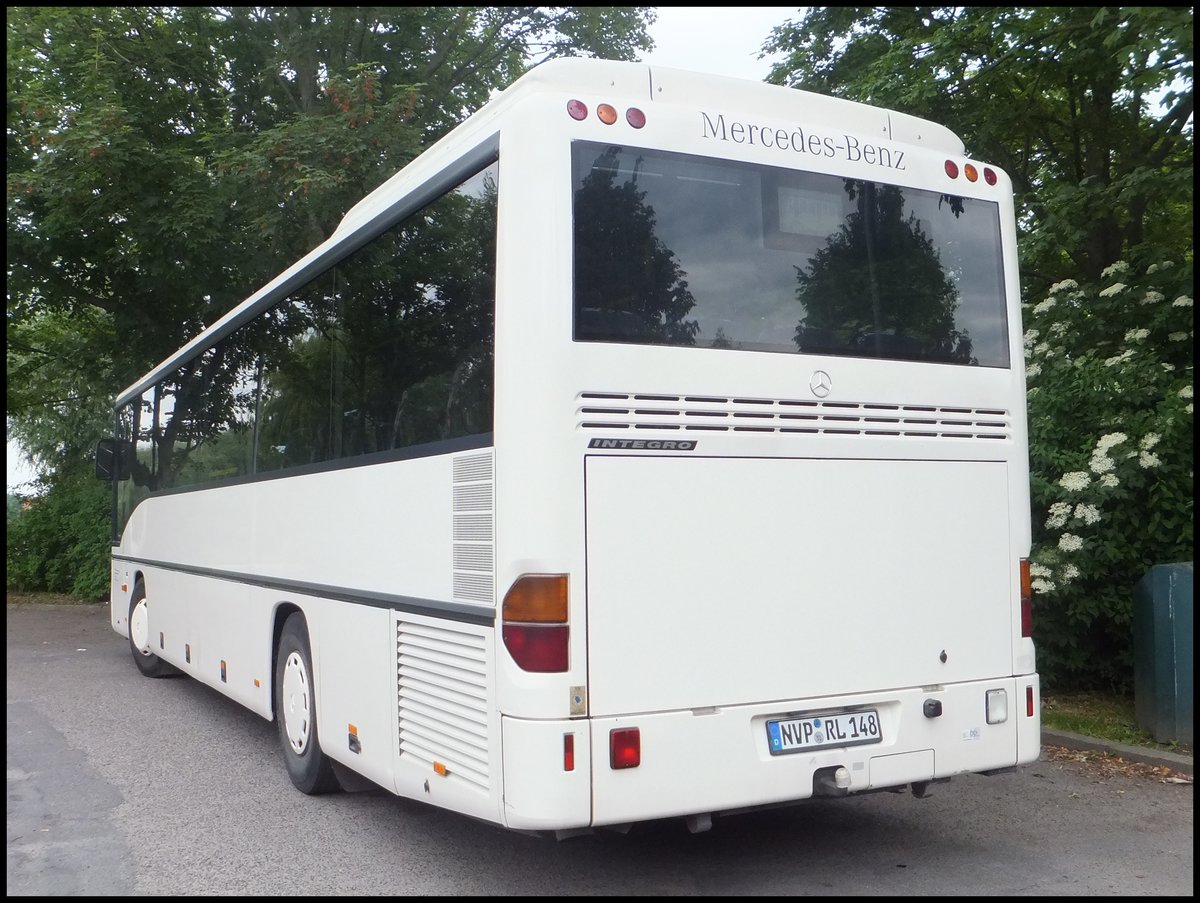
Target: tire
[147,662]
[296,711]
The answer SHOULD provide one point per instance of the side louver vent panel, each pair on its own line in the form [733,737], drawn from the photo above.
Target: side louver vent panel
[695,413]
[473,529]
[441,678]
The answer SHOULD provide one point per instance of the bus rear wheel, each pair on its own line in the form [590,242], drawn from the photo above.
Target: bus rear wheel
[296,711]
[139,635]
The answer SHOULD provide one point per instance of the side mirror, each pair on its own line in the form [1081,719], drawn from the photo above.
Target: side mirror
[112,459]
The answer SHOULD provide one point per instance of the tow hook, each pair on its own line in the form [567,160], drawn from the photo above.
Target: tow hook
[831,781]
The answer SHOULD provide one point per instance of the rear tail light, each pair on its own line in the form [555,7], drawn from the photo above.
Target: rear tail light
[534,628]
[1026,600]
[625,747]
[540,648]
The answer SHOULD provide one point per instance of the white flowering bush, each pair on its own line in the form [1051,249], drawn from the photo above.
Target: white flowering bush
[1109,370]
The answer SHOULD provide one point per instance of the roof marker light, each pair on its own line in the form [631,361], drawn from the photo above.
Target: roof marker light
[577,109]
[952,169]
[989,175]
[635,117]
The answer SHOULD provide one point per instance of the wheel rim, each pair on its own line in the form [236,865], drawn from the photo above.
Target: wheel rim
[296,692]
[139,627]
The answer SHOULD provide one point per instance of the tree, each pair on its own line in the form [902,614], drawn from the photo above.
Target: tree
[629,286]
[1089,109]
[1110,416]
[165,162]
[881,252]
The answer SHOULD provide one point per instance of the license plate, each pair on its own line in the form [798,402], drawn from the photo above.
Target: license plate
[823,731]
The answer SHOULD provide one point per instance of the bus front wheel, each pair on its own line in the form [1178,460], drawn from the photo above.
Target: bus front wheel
[296,710]
[139,635]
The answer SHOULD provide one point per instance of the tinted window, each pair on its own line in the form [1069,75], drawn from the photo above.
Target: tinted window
[672,249]
[391,348]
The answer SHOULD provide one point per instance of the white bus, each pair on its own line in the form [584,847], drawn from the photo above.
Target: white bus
[653,445]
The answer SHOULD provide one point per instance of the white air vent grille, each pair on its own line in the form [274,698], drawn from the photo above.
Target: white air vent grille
[604,411]
[474,529]
[476,497]
[441,676]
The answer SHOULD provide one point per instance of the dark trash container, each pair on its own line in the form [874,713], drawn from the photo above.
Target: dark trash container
[1162,652]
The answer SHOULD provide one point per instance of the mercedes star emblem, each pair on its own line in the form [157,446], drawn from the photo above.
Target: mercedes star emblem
[820,383]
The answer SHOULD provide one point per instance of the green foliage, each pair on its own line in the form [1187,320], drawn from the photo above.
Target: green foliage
[1110,376]
[165,162]
[60,541]
[1089,111]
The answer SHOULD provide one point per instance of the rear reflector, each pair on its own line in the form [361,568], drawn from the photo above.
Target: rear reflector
[568,752]
[625,747]
[996,706]
[1029,702]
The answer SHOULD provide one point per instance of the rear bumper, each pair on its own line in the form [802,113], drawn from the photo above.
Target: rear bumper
[713,760]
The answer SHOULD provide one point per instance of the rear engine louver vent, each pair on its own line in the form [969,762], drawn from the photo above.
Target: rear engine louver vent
[442,697]
[697,413]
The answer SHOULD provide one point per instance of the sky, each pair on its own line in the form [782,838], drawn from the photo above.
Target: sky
[720,40]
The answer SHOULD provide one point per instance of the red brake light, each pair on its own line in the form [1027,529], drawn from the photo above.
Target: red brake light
[952,169]
[625,747]
[635,117]
[577,109]
[989,175]
[541,648]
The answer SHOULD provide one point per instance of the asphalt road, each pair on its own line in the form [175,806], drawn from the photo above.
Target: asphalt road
[121,785]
